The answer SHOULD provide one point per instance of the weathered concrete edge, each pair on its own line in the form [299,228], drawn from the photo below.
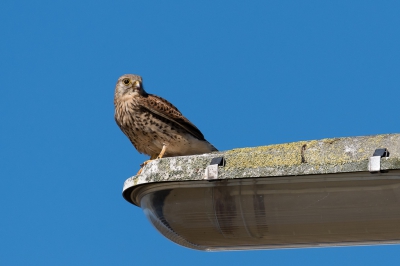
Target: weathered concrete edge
[335,155]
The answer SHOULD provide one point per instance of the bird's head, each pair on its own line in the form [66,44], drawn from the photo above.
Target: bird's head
[129,85]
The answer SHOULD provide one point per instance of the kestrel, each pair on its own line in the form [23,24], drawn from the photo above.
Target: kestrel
[153,125]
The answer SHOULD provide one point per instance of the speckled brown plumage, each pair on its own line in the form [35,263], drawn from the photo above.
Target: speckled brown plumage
[151,122]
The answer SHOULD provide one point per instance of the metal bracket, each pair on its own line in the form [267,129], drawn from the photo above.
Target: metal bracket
[212,170]
[374,164]
[220,161]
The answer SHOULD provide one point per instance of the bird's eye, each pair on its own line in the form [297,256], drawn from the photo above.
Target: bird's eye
[126,81]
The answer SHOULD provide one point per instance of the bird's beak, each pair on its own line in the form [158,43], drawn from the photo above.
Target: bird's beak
[137,84]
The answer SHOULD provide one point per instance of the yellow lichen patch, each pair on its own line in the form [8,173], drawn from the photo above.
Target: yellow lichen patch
[330,141]
[266,156]
[332,151]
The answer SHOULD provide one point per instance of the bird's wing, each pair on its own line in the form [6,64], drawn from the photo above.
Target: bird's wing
[167,110]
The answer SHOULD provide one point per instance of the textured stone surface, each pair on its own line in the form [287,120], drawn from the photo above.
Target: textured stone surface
[336,155]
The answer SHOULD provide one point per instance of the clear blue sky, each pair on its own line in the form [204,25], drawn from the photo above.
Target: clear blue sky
[247,73]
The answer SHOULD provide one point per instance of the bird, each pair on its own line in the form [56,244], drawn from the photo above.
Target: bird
[153,125]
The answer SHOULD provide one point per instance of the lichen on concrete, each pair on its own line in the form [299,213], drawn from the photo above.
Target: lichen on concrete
[334,155]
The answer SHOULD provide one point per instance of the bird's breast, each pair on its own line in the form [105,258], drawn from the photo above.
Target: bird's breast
[125,111]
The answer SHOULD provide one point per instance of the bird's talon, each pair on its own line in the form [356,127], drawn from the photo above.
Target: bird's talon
[146,162]
[140,171]
[142,165]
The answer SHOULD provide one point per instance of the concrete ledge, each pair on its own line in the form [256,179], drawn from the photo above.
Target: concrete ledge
[336,155]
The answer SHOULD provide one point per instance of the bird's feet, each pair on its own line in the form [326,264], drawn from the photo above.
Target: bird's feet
[146,162]
[164,148]
[142,165]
